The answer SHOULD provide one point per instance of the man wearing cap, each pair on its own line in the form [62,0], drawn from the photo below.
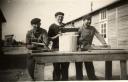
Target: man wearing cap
[35,35]
[60,71]
[86,34]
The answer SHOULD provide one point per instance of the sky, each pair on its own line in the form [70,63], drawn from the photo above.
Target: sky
[19,13]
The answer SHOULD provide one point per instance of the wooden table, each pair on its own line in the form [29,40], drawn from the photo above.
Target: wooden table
[107,55]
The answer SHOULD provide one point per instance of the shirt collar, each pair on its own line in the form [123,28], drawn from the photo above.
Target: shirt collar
[87,27]
[59,24]
[36,31]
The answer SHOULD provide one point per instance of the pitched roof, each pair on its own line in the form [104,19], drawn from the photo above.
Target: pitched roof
[114,4]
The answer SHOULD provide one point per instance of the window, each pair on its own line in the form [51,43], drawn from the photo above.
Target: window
[103,15]
[104,30]
[103,24]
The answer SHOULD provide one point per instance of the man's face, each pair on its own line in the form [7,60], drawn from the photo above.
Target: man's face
[59,18]
[36,26]
[87,22]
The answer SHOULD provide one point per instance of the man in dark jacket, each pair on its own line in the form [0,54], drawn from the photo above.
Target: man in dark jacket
[33,37]
[60,71]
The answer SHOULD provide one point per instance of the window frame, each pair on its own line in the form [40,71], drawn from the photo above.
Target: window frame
[102,28]
[103,16]
[102,21]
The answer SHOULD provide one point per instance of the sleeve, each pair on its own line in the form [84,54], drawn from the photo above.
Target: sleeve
[51,31]
[45,37]
[28,38]
[79,34]
[79,31]
[99,37]
[28,41]
[96,31]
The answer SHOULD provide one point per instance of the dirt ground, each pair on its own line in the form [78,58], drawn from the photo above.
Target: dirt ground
[99,69]
[22,74]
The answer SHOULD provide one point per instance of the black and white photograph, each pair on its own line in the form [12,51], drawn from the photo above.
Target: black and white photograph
[63,40]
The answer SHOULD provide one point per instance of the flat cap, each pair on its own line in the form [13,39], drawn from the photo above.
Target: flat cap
[88,17]
[59,13]
[35,20]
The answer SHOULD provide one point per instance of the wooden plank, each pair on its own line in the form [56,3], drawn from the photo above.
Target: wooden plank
[111,14]
[112,25]
[123,66]
[0,37]
[123,19]
[113,42]
[39,72]
[91,52]
[123,12]
[123,6]
[123,46]
[124,35]
[123,23]
[123,28]
[15,50]
[107,51]
[124,39]
[108,70]
[79,58]
[95,18]
[123,42]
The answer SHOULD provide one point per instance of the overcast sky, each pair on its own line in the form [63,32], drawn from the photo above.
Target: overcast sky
[19,13]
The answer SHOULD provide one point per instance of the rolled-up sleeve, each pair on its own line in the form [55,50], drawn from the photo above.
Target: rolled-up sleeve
[28,38]
[45,38]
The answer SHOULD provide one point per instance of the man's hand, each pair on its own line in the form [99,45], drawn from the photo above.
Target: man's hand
[79,49]
[105,45]
[60,34]
[54,37]
[32,46]
[37,43]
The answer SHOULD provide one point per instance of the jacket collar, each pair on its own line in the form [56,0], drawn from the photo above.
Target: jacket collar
[59,24]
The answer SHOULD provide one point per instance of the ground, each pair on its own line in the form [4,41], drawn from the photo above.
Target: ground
[22,74]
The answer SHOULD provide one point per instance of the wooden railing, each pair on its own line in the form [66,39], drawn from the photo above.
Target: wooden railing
[107,55]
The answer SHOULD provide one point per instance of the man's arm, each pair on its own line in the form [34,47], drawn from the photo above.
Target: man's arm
[28,41]
[79,39]
[50,33]
[54,37]
[100,38]
[45,38]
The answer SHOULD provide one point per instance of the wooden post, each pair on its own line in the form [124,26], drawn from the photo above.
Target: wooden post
[123,65]
[108,70]
[2,20]
[39,72]
[0,37]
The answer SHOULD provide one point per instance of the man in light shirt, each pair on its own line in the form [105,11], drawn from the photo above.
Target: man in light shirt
[86,34]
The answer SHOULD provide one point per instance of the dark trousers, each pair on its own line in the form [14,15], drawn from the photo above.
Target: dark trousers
[89,69]
[60,71]
[31,67]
